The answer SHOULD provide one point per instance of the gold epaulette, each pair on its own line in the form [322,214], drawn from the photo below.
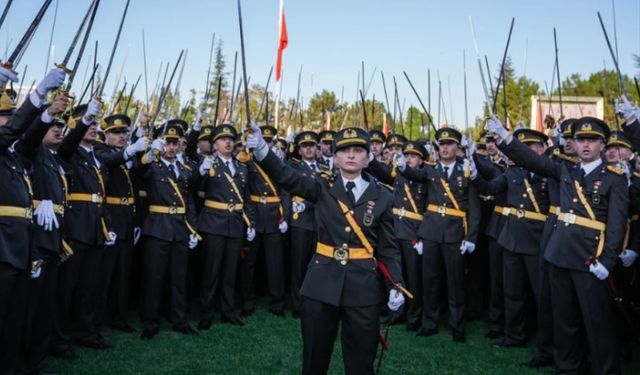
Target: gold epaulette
[186,166]
[615,170]
[636,174]
[388,187]
[562,156]
[481,153]
[430,163]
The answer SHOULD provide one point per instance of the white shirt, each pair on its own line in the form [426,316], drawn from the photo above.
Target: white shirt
[358,190]
[314,167]
[90,150]
[450,168]
[229,164]
[329,162]
[175,166]
[589,167]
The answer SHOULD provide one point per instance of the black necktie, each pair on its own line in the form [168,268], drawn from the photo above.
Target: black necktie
[313,167]
[446,172]
[352,197]
[172,169]
[226,163]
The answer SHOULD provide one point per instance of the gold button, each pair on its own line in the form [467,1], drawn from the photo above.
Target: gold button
[347,229]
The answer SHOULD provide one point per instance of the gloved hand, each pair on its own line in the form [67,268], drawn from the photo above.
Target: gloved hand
[53,79]
[36,268]
[251,234]
[628,256]
[495,126]
[283,226]
[93,110]
[7,75]
[157,144]
[137,232]
[257,143]
[418,246]
[197,124]
[472,168]
[207,163]
[278,151]
[193,241]
[46,217]
[626,109]
[112,239]
[400,161]
[298,207]
[467,247]
[138,146]
[600,271]
[396,300]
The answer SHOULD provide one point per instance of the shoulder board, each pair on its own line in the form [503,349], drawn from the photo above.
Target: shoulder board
[431,163]
[186,166]
[636,174]
[326,175]
[615,170]
[562,156]
[388,187]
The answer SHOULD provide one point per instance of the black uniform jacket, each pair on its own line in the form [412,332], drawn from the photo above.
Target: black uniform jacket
[356,283]
[573,246]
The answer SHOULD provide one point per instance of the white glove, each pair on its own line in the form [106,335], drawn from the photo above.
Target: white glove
[193,241]
[138,146]
[157,144]
[283,226]
[418,247]
[197,124]
[279,153]
[396,300]
[112,239]
[495,126]
[298,207]
[207,163]
[36,268]
[137,232]
[467,247]
[626,109]
[400,161]
[53,79]
[7,75]
[93,109]
[251,234]
[628,256]
[471,164]
[600,271]
[257,143]
[46,216]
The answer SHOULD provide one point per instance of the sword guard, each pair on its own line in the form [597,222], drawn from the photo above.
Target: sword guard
[8,65]
[64,67]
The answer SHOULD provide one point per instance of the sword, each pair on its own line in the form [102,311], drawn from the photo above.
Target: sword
[555,41]
[165,91]
[5,11]
[504,58]
[113,51]
[215,118]
[83,45]
[26,38]
[133,90]
[207,90]
[364,110]
[420,100]
[266,95]
[613,57]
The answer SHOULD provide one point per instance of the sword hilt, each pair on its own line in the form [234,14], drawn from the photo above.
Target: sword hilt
[63,66]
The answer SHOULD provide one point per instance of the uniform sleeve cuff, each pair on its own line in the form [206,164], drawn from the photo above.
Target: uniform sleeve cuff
[46,117]
[35,99]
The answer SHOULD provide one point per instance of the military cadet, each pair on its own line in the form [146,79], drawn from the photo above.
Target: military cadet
[377,143]
[525,214]
[448,232]
[325,159]
[408,209]
[355,228]
[395,144]
[16,195]
[223,223]
[198,140]
[39,145]
[169,229]
[303,222]
[270,225]
[118,159]
[87,229]
[584,245]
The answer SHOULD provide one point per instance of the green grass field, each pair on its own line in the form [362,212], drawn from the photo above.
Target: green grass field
[273,345]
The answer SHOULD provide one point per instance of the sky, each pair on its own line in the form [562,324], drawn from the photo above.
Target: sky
[329,39]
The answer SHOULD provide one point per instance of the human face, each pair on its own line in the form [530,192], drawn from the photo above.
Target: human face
[183,146]
[171,148]
[570,147]
[117,138]
[612,154]
[307,151]
[224,146]
[53,138]
[413,160]
[351,160]
[448,151]
[538,148]
[492,149]
[204,146]
[625,154]
[589,149]
[91,135]
[376,148]
[325,148]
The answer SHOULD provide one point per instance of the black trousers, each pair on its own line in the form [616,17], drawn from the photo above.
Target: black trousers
[303,245]
[41,310]
[496,299]
[78,293]
[13,304]
[582,302]
[520,271]
[359,337]
[412,265]
[477,280]
[440,261]
[113,305]
[219,256]
[544,335]
[162,257]
[271,244]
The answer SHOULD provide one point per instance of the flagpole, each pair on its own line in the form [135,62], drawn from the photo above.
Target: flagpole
[282,44]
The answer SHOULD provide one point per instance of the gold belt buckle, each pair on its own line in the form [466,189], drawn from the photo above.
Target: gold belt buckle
[506,211]
[95,198]
[442,210]
[341,254]
[173,210]
[520,213]
[124,201]
[402,212]
[263,199]
[28,214]
[569,219]
[231,207]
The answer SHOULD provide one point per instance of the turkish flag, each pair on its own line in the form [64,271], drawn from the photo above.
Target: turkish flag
[283,41]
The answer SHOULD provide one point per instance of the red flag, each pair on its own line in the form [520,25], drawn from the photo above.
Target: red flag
[385,125]
[283,41]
